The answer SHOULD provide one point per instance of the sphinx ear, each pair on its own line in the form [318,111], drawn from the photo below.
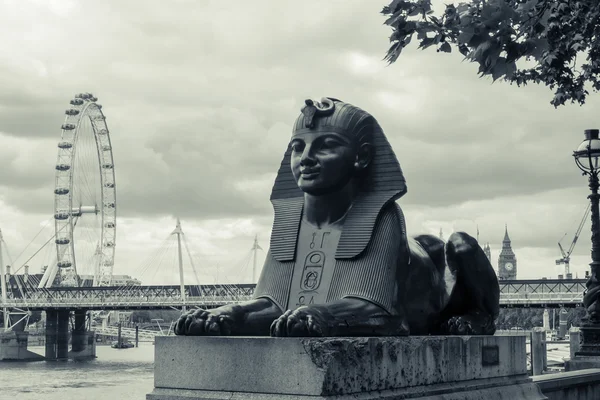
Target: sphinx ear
[364,155]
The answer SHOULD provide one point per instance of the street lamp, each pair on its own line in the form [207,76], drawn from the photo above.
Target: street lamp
[587,158]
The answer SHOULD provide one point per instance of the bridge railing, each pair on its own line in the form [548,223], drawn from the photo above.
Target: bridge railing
[540,298]
[115,301]
[522,293]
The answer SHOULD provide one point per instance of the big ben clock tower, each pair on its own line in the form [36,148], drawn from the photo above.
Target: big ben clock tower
[507,261]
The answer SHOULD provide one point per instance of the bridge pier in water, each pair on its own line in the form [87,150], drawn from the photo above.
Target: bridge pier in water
[58,335]
[79,338]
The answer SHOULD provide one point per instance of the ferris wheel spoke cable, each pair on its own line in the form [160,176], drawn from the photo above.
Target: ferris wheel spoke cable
[85,165]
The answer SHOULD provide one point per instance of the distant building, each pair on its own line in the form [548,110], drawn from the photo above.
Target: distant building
[117,280]
[487,251]
[31,281]
[507,261]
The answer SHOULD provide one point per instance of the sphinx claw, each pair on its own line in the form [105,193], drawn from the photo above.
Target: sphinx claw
[213,328]
[189,319]
[196,328]
[225,323]
[314,329]
[279,325]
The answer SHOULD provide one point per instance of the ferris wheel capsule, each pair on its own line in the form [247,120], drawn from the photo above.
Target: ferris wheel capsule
[68,127]
[65,145]
[61,191]
[63,167]
[76,102]
[64,264]
[71,111]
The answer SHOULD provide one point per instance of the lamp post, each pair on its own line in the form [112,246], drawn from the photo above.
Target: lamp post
[587,158]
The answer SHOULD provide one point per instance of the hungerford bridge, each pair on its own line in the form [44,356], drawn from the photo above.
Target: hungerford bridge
[85,205]
[532,293]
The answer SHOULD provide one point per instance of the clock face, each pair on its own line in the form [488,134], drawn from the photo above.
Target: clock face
[508,266]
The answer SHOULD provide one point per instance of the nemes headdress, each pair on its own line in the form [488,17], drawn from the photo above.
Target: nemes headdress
[383,182]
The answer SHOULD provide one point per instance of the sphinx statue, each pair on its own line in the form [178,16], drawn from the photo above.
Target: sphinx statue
[340,261]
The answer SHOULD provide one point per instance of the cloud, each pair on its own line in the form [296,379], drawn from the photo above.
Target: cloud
[200,98]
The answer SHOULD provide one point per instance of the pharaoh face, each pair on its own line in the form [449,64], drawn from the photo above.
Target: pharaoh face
[322,162]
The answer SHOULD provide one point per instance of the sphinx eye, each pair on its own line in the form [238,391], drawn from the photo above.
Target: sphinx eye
[330,142]
[297,146]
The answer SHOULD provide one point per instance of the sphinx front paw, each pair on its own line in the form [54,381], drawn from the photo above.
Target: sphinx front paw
[204,323]
[458,326]
[469,325]
[304,321]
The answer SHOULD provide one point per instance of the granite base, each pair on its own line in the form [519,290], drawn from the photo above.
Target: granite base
[263,368]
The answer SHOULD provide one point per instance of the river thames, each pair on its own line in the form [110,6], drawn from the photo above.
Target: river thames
[116,374]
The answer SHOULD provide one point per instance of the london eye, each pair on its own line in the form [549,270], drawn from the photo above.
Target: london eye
[84,198]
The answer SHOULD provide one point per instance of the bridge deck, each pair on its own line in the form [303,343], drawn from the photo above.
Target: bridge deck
[513,293]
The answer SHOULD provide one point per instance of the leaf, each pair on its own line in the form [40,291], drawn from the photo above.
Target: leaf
[511,69]
[414,11]
[499,69]
[499,34]
[394,19]
[435,20]
[425,43]
[462,8]
[465,37]
[396,5]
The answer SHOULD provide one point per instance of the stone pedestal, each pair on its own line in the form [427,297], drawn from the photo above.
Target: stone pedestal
[428,368]
[588,355]
[13,347]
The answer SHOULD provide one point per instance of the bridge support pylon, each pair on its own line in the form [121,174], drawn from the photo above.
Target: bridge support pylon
[82,341]
[57,334]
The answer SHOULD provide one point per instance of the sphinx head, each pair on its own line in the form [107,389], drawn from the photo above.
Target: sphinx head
[331,146]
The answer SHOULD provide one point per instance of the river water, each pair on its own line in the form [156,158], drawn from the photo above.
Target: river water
[116,374]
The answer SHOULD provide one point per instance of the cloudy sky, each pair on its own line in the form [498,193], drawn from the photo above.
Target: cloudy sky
[200,97]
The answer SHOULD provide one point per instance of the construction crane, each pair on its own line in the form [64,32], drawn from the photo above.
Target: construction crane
[566,255]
